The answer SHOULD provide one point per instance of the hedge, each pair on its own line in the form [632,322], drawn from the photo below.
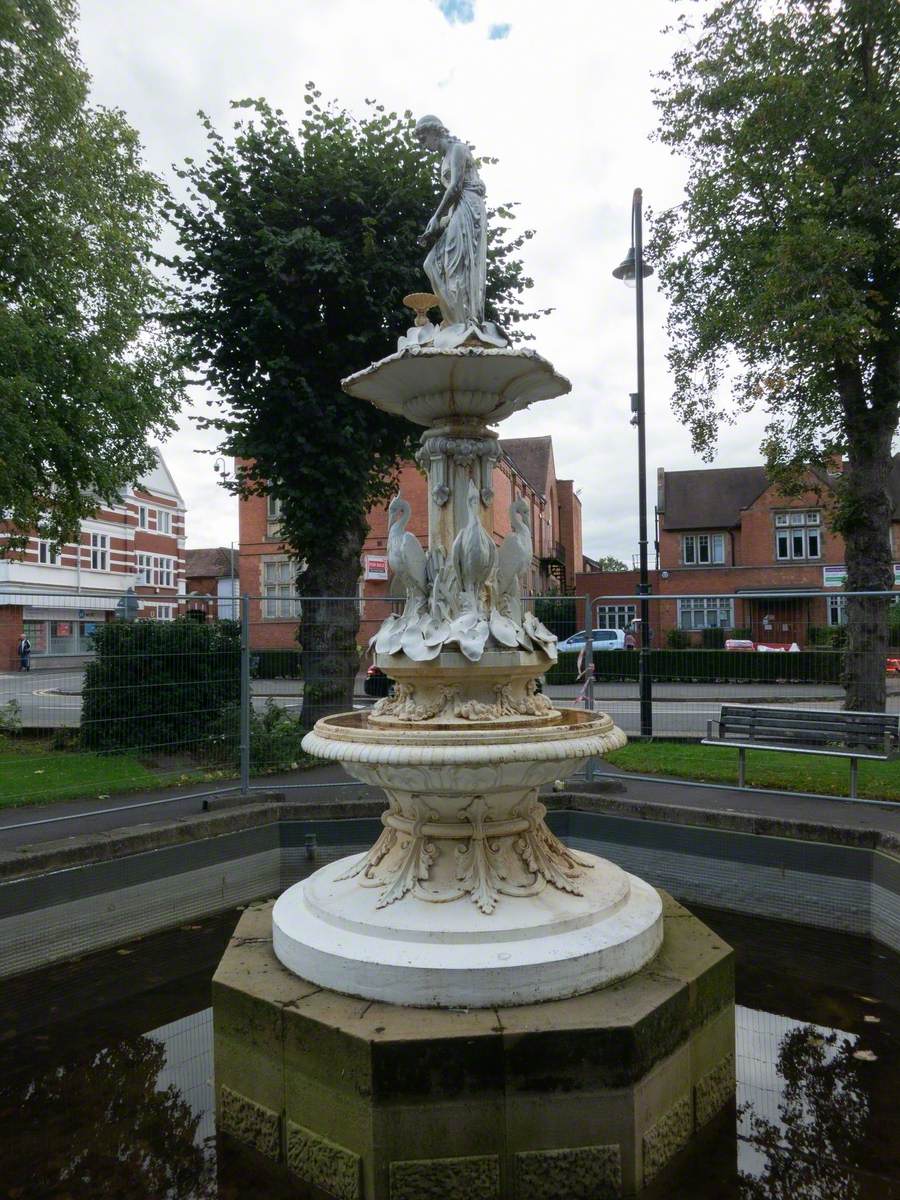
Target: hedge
[165,685]
[704,666]
[275,664]
[560,614]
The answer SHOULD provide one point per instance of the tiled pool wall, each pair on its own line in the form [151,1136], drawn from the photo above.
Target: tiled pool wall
[61,914]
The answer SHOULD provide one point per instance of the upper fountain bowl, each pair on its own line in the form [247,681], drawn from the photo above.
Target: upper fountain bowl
[429,386]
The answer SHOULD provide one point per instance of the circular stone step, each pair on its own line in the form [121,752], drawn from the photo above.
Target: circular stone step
[343,936]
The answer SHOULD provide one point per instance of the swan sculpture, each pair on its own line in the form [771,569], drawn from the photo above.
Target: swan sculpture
[406,560]
[513,560]
[472,557]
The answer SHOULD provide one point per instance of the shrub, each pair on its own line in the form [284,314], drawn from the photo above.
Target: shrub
[561,614]
[678,639]
[275,737]
[713,638]
[159,684]
[275,664]
[698,666]
[11,717]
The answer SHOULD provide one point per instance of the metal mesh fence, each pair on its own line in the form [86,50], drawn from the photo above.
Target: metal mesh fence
[783,649]
[94,704]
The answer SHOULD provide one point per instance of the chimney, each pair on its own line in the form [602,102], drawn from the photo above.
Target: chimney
[660,489]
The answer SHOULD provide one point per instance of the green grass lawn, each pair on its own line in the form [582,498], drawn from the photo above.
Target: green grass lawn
[765,768]
[33,772]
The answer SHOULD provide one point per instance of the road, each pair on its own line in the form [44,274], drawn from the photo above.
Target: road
[52,699]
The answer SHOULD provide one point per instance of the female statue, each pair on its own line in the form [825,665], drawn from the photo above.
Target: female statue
[456,235]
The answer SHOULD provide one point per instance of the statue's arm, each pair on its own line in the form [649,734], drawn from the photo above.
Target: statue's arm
[458,153]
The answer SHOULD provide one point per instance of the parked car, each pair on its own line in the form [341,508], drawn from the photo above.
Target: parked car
[376,682]
[603,639]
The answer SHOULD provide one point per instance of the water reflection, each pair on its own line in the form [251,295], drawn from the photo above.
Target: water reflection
[802,1126]
[105,1124]
[95,1108]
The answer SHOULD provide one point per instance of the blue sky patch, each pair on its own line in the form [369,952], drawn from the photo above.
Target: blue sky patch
[457,12]
[496,32]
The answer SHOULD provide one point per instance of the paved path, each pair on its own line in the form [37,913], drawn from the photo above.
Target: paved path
[28,826]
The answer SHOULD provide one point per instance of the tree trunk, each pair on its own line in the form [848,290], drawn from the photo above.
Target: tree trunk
[329,629]
[865,521]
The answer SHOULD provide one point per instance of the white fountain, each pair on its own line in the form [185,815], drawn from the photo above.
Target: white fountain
[470,1009]
[467,898]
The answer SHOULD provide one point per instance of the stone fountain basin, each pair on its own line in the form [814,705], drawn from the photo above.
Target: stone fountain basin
[458,759]
[427,385]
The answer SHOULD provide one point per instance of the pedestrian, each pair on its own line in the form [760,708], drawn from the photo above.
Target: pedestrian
[24,651]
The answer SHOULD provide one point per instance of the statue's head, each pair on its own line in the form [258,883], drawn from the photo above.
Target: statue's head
[431,131]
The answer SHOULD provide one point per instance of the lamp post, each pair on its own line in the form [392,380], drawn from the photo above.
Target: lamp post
[633,271]
[220,466]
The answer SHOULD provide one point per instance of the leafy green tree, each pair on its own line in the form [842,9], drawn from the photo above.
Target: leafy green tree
[782,266]
[296,252]
[86,373]
[610,563]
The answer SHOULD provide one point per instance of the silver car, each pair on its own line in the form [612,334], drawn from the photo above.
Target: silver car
[603,639]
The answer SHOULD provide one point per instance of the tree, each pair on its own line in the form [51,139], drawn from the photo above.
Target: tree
[296,252]
[610,563]
[783,264]
[86,373]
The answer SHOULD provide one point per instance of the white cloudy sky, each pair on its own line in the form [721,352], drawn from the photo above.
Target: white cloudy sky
[563,99]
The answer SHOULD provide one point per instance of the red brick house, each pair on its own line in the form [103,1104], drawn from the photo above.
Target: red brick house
[211,579]
[526,469]
[58,595]
[730,550]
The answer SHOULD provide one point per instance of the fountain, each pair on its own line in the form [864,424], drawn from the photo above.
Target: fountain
[470,1008]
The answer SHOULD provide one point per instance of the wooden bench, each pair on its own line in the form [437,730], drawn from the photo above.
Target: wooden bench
[833,732]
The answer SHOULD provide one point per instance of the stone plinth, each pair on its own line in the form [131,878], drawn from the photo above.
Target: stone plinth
[586,1097]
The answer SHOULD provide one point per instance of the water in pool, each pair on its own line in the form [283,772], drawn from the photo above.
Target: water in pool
[106,1084]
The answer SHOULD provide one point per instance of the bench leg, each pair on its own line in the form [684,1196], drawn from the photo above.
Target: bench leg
[742,767]
[854,777]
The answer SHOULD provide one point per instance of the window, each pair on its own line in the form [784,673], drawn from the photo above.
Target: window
[703,549]
[163,569]
[273,516]
[615,616]
[48,554]
[705,612]
[798,535]
[837,610]
[164,612]
[279,588]
[142,516]
[144,568]
[163,521]
[99,551]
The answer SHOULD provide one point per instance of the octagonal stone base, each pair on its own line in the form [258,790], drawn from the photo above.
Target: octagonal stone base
[586,1097]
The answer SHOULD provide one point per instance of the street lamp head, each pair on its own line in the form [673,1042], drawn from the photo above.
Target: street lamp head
[626,270]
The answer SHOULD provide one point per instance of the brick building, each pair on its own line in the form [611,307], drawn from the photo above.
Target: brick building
[526,469]
[733,548]
[57,595]
[212,571]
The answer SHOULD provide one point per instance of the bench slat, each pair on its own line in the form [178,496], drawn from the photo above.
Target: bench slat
[792,749]
[798,715]
[786,733]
